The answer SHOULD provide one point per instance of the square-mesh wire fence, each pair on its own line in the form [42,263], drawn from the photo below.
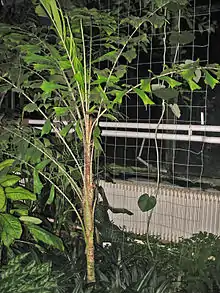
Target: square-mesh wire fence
[187,169]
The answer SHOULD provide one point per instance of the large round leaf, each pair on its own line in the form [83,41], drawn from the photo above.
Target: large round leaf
[146,202]
[183,38]
[10,229]
[166,93]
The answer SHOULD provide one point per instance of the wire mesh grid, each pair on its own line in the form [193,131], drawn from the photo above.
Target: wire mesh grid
[184,169]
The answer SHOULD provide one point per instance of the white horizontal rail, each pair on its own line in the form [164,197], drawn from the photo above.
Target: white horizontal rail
[40,128]
[148,126]
[42,122]
[161,136]
[34,121]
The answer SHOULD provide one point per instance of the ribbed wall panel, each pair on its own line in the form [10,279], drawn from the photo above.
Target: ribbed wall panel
[180,212]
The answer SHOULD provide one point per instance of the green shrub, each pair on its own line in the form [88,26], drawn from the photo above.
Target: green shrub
[21,275]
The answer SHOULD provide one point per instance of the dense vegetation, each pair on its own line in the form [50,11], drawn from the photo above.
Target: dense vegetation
[53,211]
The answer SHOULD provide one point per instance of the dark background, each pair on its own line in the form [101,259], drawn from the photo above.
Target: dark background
[192,163]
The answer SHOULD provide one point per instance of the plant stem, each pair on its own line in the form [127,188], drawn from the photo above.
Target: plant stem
[88,198]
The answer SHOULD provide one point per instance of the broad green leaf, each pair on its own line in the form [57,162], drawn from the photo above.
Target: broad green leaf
[2,199]
[20,205]
[130,54]
[97,144]
[145,85]
[166,93]
[20,212]
[110,117]
[175,109]
[144,97]
[134,21]
[47,142]
[146,202]
[15,37]
[31,107]
[95,96]
[96,132]
[46,128]
[10,229]
[33,155]
[210,80]
[33,85]
[42,165]
[175,7]
[104,97]
[29,219]
[102,72]
[40,11]
[103,79]
[157,20]
[80,79]
[46,237]
[93,109]
[193,86]
[38,186]
[51,196]
[188,74]
[172,82]
[4,88]
[119,95]
[186,37]
[43,67]
[183,38]
[54,52]
[58,78]
[65,64]
[111,56]
[65,130]
[51,8]
[19,193]
[30,48]
[120,70]
[6,164]
[79,69]
[61,110]
[9,180]
[79,130]
[76,175]
[49,86]
[141,38]
[144,281]
[35,58]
